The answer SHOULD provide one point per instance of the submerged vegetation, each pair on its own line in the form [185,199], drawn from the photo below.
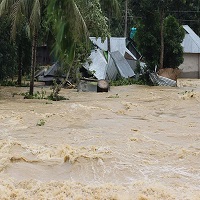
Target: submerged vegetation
[41,122]
[127,81]
[54,95]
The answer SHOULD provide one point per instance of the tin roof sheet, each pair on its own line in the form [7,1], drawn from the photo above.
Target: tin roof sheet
[124,68]
[98,65]
[116,44]
[191,42]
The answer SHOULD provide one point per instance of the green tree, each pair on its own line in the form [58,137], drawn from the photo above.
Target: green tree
[152,36]
[173,37]
[148,34]
[28,12]
[111,9]
[94,18]
[69,29]
[8,57]
[73,22]
[163,8]
[23,48]
[187,12]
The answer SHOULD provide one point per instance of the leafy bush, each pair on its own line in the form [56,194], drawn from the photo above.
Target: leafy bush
[12,83]
[8,83]
[128,81]
[37,95]
[54,96]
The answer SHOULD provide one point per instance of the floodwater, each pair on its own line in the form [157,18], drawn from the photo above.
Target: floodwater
[135,142]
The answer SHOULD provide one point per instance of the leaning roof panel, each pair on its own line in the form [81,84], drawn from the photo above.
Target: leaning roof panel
[98,65]
[124,68]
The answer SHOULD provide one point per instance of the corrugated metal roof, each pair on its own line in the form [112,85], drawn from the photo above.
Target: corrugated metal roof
[116,64]
[52,70]
[112,70]
[161,80]
[191,42]
[101,44]
[46,79]
[122,65]
[116,44]
[98,65]
[40,73]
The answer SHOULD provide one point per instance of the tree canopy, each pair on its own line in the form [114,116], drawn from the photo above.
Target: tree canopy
[8,55]
[159,35]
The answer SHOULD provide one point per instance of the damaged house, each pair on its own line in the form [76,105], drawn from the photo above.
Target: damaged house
[106,64]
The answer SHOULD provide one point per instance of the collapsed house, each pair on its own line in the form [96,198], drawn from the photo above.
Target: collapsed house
[47,75]
[109,64]
[110,60]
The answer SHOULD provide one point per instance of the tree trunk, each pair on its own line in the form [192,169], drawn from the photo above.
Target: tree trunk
[33,63]
[19,79]
[108,38]
[126,18]
[161,38]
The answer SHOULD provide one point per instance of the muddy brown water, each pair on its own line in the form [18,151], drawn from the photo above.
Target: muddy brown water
[135,142]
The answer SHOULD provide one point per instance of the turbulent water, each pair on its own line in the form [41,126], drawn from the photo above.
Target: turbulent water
[135,142]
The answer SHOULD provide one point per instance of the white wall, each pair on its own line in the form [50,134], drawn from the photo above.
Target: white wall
[191,65]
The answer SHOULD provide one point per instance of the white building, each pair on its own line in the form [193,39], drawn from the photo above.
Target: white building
[191,48]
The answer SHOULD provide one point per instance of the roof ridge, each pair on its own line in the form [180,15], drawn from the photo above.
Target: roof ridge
[191,34]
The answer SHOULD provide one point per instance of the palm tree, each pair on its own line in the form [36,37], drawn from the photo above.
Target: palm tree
[71,21]
[69,28]
[28,12]
[65,17]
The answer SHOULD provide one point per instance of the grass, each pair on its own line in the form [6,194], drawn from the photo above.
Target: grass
[126,81]
[13,83]
[41,95]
